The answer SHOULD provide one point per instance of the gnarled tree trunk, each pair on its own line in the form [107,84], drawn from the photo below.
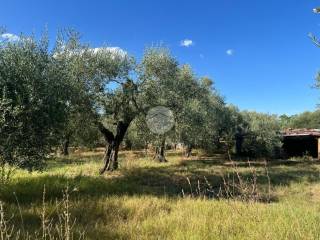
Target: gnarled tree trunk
[146,145]
[110,158]
[65,146]
[159,154]
[188,151]
[239,142]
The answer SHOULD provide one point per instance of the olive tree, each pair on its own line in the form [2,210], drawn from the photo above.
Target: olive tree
[33,102]
[79,129]
[158,74]
[103,90]
[306,120]
[262,136]
[198,120]
[115,89]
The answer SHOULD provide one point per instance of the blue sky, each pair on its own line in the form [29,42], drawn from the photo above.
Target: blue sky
[257,52]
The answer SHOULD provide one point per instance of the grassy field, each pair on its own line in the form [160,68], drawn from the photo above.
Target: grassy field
[149,200]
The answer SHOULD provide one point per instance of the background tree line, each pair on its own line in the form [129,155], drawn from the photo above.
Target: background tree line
[69,94]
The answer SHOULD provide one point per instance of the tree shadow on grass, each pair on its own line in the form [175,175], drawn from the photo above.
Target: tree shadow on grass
[97,219]
[165,180]
[162,180]
[281,172]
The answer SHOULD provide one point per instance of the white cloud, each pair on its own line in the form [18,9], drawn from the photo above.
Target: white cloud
[230,52]
[316,10]
[10,37]
[115,51]
[186,43]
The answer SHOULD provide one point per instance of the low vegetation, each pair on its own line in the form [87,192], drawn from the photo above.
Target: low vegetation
[150,200]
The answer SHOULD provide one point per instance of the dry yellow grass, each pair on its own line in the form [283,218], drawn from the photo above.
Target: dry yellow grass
[143,199]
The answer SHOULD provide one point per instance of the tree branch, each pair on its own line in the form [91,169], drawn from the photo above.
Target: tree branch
[108,135]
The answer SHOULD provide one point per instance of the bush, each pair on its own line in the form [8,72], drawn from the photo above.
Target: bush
[262,137]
